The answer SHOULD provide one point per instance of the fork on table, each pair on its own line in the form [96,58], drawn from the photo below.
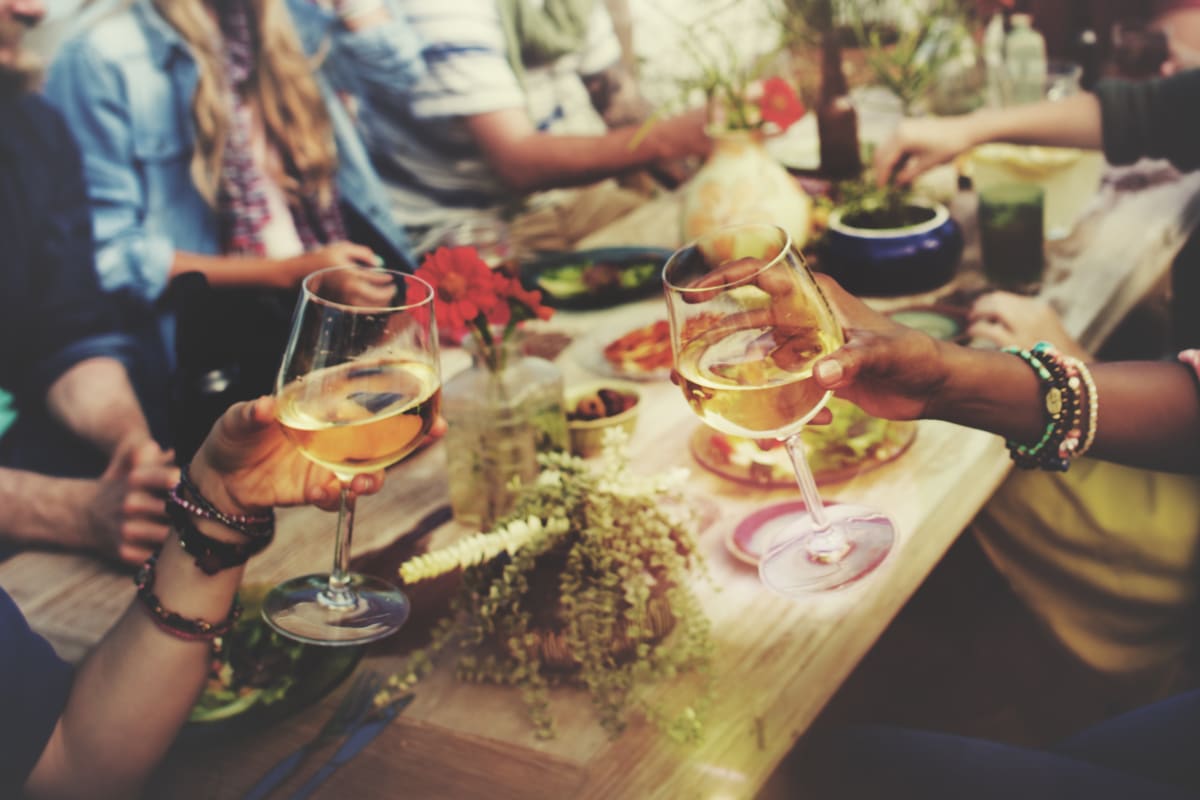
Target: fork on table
[352,709]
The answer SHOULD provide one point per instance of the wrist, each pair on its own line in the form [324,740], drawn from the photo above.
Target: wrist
[211,485]
[947,367]
[976,127]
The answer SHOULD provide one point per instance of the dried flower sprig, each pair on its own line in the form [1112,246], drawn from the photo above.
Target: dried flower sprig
[591,569]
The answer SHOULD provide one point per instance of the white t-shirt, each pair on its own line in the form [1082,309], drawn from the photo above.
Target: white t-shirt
[424,151]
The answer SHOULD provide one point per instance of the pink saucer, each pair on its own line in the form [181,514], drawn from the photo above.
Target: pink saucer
[747,541]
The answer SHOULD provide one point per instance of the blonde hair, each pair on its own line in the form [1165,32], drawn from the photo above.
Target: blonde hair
[292,110]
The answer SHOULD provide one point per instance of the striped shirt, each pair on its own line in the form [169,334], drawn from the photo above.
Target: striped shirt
[423,149]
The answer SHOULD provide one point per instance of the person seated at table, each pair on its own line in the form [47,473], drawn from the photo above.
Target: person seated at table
[502,112]
[1142,414]
[1105,555]
[211,147]
[79,465]
[98,732]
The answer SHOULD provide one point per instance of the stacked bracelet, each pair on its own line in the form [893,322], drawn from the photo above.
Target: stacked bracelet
[252,525]
[1067,432]
[213,555]
[179,626]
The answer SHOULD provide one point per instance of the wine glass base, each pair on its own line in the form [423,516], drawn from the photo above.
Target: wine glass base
[789,568]
[302,609]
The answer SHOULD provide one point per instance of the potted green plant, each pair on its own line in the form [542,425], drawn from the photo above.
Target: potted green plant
[884,240]
[587,582]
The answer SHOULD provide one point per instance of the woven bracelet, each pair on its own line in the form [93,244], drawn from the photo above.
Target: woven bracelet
[179,626]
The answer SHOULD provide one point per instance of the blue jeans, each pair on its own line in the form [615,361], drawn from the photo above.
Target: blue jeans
[1147,754]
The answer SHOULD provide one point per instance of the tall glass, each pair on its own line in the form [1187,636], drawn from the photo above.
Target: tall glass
[748,322]
[358,389]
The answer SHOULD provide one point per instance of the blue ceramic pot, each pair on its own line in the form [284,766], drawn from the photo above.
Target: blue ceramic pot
[893,261]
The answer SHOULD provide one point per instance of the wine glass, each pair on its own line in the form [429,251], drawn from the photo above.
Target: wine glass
[358,389]
[748,322]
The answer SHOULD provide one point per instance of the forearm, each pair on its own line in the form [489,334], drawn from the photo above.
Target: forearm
[1071,122]
[38,510]
[95,400]
[989,390]
[1149,415]
[135,690]
[545,161]
[1149,412]
[230,270]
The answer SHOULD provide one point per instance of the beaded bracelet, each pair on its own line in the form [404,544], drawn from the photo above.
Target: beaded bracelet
[1061,409]
[251,525]
[181,627]
[1093,399]
[212,555]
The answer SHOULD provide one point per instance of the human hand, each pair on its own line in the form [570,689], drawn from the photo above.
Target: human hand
[291,271]
[126,516]
[918,145]
[246,465]
[1011,320]
[886,369]
[680,136]
[364,287]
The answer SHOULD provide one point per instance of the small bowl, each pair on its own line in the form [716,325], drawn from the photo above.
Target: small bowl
[587,435]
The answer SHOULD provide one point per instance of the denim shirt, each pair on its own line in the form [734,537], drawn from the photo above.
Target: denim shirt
[126,86]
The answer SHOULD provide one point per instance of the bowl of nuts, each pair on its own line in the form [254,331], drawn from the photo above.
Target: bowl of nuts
[593,408]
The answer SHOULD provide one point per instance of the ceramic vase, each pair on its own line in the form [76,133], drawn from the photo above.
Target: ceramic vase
[742,182]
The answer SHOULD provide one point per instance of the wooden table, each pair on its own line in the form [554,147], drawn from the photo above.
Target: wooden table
[777,661]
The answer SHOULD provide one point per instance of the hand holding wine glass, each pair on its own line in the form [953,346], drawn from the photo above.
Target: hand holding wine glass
[748,324]
[359,388]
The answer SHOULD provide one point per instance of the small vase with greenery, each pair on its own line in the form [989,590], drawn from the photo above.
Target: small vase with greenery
[587,582]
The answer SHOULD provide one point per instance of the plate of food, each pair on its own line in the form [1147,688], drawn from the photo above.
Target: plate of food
[257,677]
[634,345]
[596,278]
[853,443]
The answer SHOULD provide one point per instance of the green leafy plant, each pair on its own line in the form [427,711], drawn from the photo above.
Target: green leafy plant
[909,65]
[864,204]
[724,59]
[585,583]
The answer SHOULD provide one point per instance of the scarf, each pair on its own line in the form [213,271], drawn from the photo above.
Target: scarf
[536,35]
[242,209]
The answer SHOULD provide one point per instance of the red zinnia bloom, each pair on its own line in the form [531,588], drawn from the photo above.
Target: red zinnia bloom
[464,287]
[530,298]
[779,103]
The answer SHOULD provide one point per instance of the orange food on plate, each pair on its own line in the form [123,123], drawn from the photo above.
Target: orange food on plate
[648,348]
[643,349]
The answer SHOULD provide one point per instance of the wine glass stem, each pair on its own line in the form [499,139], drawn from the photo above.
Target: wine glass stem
[825,542]
[339,592]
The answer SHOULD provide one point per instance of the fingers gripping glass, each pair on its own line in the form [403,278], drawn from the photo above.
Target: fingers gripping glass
[748,322]
[358,390]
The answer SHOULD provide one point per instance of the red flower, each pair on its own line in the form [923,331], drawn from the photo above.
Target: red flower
[464,286]
[517,294]
[779,103]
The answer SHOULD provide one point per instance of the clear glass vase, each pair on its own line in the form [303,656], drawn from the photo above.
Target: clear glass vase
[499,418]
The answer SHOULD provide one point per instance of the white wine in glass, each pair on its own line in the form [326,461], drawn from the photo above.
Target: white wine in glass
[358,390]
[748,323]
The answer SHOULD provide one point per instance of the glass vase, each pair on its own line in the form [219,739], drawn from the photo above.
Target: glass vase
[742,182]
[499,418]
